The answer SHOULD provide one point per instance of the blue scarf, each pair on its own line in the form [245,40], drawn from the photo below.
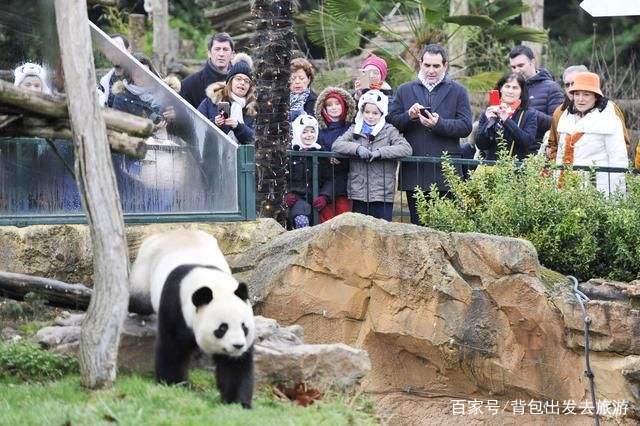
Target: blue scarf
[366,128]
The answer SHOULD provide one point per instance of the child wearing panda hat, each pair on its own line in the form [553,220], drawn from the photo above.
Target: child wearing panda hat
[298,199]
[377,146]
[32,77]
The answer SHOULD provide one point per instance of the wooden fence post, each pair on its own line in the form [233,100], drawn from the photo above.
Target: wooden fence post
[102,325]
[161,51]
[137,32]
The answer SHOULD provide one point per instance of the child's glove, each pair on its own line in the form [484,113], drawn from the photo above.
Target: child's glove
[290,199]
[320,202]
[363,153]
[375,155]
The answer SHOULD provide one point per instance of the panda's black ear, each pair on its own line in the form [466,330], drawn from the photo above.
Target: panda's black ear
[202,296]
[242,291]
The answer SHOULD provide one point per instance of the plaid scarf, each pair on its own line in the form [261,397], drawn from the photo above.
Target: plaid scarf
[430,86]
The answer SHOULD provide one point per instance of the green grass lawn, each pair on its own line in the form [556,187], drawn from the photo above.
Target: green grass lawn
[136,400]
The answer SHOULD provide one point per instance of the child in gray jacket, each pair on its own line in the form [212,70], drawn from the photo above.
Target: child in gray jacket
[378,145]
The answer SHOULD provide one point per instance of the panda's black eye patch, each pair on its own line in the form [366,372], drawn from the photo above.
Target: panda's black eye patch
[220,332]
[245,329]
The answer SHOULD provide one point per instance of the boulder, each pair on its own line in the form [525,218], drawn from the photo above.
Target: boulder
[280,354]
[64,252]
[442,314]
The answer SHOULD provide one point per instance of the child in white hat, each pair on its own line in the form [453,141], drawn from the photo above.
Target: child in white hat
[31,76]
[305,138]
[372,184]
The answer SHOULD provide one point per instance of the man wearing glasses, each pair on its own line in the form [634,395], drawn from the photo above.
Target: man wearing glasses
[544,94]
[567,80]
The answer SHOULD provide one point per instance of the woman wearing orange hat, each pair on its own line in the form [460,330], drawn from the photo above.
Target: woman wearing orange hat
[591,134]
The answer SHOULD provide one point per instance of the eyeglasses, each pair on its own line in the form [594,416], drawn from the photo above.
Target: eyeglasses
[242,79]
[568,84]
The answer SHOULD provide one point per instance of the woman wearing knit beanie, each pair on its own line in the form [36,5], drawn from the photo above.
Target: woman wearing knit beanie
[376,68]
[237,93]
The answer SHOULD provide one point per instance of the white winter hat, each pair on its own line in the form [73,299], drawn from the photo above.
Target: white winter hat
[374,97]
[298,126]
[31,69]
[381,101]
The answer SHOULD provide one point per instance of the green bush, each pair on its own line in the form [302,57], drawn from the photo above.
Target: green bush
[28,362]
[576,230]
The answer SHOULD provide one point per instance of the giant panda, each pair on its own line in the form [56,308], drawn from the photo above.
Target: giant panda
[183,277]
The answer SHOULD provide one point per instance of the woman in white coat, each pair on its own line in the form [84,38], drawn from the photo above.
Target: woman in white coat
[591,134]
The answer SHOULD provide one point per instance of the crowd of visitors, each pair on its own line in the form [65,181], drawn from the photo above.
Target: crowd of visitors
[374,125]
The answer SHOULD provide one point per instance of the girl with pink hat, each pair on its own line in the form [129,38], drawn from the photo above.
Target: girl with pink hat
[376,68]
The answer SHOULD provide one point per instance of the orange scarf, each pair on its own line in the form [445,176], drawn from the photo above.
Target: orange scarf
[569,150]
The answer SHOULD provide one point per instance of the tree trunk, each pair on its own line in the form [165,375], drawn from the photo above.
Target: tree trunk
[272,46]
[103,323]
[136,32]
[534,18]
[161,35]
[457,42]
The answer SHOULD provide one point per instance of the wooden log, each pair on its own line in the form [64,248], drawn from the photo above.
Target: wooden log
[6,120]
[32,101]
[219,15]
[118,141]
[103,323]
[57,293]
[56,107]
[128,123]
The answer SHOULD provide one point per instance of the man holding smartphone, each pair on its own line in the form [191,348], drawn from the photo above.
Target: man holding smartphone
[433,113]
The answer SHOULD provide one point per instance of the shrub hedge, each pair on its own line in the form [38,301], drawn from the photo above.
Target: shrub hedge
[576,230]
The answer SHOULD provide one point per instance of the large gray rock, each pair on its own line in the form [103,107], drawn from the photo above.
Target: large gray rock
[280,354]
[64,252]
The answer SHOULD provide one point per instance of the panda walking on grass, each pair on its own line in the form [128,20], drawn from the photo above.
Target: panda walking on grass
[183,277]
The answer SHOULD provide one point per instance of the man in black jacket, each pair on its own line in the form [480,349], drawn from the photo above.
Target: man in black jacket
[433,113]
[220,52]
[544,93]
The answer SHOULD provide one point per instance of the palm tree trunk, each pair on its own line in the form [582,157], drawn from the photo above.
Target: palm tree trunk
[272,45]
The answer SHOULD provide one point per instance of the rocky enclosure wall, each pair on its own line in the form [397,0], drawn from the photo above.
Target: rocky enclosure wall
[455,315]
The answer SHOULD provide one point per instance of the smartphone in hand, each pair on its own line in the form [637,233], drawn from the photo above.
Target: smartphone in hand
[224,108]
[365,79]
[426,112]
[494,97]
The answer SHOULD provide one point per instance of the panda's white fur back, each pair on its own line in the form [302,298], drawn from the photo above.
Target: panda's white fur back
[161,253]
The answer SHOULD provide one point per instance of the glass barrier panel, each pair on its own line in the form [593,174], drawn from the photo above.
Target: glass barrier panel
[190,165]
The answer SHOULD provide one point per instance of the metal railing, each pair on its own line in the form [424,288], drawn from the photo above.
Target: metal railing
[425,167]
